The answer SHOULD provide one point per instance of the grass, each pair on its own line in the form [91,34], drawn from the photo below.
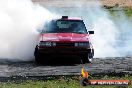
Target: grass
[61,82]
[119,11]
[128,11]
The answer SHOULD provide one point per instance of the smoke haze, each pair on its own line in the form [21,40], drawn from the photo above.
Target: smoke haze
[19,20]
[112,36]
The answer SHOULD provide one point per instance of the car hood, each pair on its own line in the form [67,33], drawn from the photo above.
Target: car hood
[64,37]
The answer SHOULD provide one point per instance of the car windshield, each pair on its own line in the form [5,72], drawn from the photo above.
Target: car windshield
[65,26]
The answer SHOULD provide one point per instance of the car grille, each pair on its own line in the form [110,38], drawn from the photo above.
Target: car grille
[64,44]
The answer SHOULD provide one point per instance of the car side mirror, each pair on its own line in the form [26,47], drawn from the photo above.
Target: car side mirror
[91,32]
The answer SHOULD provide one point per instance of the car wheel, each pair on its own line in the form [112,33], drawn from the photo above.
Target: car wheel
[87,58]
[90,56]
[41,59]
[38,57]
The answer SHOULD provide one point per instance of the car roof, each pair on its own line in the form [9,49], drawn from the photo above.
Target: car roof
[71,18]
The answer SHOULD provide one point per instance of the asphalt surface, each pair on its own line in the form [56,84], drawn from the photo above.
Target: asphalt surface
[9,68]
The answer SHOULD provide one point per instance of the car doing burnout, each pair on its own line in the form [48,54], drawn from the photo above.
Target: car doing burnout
[66,37]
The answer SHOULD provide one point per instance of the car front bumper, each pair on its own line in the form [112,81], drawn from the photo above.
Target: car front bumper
[63,50]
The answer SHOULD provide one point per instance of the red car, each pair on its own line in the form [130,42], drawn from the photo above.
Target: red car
[64,37]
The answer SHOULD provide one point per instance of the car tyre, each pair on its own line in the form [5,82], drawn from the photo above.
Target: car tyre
[87,58]
[38,57]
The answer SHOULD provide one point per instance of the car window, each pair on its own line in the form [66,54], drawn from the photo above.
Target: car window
[65,26]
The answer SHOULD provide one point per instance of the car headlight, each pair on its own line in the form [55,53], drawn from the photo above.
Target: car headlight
[82,44]
[47,44]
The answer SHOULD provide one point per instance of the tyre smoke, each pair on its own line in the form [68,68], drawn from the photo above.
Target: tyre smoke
[112,36]
[19,20]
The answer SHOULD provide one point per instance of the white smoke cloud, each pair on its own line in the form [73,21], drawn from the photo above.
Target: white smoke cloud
[106,33]
[19,20]
[112,37]
[125,34]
